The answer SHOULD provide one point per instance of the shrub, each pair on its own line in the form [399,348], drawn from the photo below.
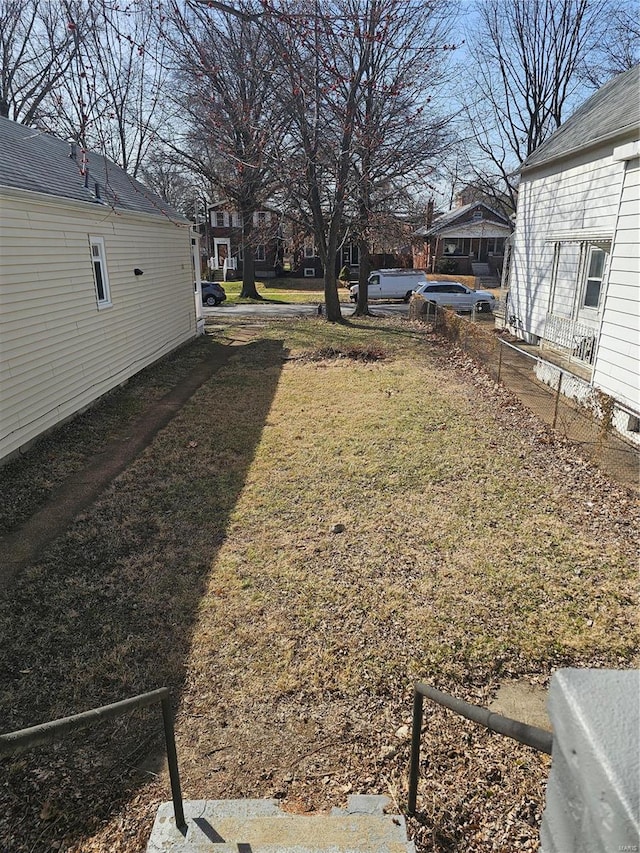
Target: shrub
[446,265]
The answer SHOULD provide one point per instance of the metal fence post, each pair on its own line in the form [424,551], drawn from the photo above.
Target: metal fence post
[557,401]
[416,731]
[172,761]
[499,359]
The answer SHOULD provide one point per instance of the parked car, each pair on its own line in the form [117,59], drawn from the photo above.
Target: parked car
[455,295]
[212,293]
[390,284]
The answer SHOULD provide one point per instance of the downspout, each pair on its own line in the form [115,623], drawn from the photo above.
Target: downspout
[195,257]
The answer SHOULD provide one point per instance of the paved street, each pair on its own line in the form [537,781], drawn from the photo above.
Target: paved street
[382,309]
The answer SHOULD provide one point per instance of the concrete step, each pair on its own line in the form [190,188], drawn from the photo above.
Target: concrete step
[261,826]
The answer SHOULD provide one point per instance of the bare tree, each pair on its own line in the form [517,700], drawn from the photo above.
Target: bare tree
[321,53]
[228,110]
[163,173]
[111,96]
[37,47]
[526,63]
[619,48]
[398,133]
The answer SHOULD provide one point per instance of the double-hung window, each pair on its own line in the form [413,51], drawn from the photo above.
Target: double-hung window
[596,258]
[100,274]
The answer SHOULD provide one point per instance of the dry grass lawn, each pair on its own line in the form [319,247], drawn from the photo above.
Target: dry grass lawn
[283,290]
[473,552]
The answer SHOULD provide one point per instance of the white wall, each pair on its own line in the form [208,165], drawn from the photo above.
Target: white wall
[58,350]
[617,370]
[565,202]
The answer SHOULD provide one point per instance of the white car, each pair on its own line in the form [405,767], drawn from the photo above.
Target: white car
[453,294]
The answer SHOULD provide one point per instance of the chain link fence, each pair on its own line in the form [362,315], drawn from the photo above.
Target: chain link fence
[591,420]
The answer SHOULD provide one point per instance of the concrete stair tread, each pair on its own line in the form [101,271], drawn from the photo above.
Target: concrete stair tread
[260,826]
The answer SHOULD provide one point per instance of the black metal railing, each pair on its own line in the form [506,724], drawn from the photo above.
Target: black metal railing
[533,736]
[18,741]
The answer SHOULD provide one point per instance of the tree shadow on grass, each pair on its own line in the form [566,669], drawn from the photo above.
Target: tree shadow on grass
[108,611]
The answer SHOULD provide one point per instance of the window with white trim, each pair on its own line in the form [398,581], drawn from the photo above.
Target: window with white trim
[595,266]
[260,253]
[309,251]
[100,274]
[219,219]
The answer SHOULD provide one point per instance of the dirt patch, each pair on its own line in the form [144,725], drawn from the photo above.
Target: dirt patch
[355,353]
[520,700]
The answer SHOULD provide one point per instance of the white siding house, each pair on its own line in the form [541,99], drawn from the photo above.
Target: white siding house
[76,319]
[575,258]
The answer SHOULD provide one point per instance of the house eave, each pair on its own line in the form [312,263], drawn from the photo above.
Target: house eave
[626,135]
[484,228]
[580,235]
[475,229]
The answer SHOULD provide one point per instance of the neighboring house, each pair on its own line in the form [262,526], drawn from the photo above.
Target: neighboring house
[225,227]
[469,234]
[575,259]
[77,318]
[278,245]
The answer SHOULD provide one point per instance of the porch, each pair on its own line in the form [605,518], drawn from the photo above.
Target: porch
[570,343]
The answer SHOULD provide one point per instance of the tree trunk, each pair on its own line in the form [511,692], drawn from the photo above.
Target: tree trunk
[331,298]
[362,306]
[248,263]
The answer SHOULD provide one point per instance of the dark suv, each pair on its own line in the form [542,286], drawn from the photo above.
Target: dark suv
[212,293]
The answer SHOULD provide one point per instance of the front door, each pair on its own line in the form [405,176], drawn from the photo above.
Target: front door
[222,250]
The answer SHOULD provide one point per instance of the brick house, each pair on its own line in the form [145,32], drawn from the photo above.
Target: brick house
[225,241]
[469,234]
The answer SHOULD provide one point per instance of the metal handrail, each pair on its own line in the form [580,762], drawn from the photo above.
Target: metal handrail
[533,736]
[18,741]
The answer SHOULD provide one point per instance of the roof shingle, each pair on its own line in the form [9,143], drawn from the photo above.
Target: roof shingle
[612,112]
[36,161]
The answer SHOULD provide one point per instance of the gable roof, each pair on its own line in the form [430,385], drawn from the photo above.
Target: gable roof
[448,218]
[38,162]
[612,113]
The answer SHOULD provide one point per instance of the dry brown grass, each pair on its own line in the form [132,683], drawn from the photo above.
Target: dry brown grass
[471,552]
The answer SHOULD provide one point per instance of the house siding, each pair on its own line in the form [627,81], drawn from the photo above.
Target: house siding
[618,364]
[58,350]
[576,203]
